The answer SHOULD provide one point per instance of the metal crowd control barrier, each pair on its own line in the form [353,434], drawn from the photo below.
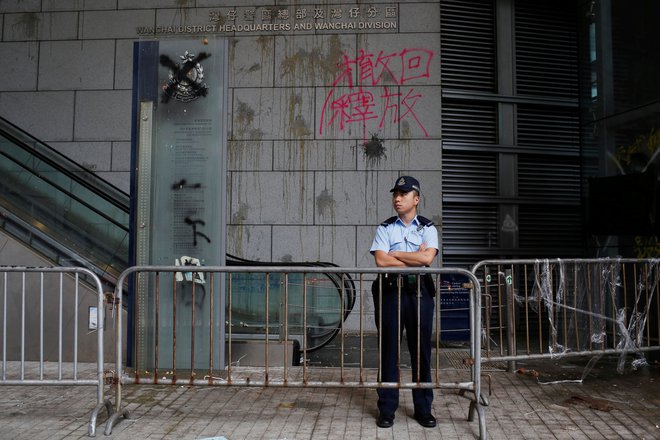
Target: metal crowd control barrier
[556,308]
[174,355]
[40,344]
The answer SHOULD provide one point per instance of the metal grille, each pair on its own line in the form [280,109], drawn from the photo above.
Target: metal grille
[546,49]
[537,123]
[550,129]
[468,227]
[549,178]
[469,122]
[467,47]
[550,230]
[467,174]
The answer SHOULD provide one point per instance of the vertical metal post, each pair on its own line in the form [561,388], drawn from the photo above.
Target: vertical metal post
[211,341]
[100,351]
[511,319]
[192,332]
[4,328]
[286,325]
[419,329]
[41,326]
[267,311]
[61,325]
[304,331]
[361,316]
[341,325]
[229,325]
[23,326]
[75,328]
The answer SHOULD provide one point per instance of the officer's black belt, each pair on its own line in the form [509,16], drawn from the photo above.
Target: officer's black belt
[407,278]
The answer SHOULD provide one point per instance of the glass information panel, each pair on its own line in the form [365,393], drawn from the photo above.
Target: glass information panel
[180,96]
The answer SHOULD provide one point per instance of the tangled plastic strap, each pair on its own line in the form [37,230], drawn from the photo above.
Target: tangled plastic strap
[632,335]
[552,301]
[597,292]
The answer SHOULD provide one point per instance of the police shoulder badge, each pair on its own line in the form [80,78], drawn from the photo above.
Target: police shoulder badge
[186,79]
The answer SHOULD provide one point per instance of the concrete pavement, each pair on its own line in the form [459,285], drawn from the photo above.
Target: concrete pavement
[605,405]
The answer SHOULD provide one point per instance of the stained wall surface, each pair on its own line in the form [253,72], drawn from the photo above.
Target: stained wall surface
[329,103]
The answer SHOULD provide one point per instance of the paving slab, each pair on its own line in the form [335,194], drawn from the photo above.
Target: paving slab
[537,401]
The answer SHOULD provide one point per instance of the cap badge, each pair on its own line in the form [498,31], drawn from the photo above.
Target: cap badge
[401,182]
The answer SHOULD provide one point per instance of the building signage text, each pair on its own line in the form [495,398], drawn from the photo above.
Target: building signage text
[283,19]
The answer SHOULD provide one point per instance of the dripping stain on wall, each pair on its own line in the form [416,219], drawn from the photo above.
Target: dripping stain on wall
[325,203]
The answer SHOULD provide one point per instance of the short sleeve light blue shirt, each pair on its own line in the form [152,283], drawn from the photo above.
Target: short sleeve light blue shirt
[396,236]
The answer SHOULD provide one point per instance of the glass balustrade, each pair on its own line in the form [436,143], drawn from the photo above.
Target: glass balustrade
[258,301]
[85,215]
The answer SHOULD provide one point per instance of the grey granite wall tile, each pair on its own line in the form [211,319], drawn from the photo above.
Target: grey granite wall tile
[78,5]
[54,109]
[251,61]
[419,17]
[250,155]
[272,198]
[103,115]
[19,68]
[278,113]
[314,155]
[94,156]
[76,65]
[40,26]
[115,24]
[20,6]
[252,242]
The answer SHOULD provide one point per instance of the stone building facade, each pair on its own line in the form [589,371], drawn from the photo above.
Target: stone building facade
[328,104]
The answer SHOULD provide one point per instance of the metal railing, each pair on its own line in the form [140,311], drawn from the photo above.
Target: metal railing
[43,342]
[556,308]
[180,344]
[534,309]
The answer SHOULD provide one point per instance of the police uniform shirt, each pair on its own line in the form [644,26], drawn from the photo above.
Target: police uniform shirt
[394,235]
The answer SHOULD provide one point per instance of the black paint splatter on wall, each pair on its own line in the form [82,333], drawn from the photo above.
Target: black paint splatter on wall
[374,150]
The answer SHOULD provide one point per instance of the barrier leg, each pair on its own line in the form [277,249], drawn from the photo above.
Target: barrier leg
[481,414]
[114,419]
[91,429]
[483,434]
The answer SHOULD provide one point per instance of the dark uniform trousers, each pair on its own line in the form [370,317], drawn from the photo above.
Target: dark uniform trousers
[390,338]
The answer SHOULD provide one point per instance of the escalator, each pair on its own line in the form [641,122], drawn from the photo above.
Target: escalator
[70,216]
[59,209]
[330,299]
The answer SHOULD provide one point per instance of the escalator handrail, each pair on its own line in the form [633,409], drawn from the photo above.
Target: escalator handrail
[70,168]
[349,287]
[70,194]
[334,277]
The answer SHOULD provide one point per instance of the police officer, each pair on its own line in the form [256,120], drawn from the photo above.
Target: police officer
[407,240]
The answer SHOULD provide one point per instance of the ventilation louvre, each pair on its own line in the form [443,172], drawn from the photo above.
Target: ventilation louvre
[543,129]
[467,45]
[546,49]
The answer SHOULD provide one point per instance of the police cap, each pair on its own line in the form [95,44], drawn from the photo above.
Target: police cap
[406,184]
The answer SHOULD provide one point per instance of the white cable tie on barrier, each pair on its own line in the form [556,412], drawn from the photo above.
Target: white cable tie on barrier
[196,277]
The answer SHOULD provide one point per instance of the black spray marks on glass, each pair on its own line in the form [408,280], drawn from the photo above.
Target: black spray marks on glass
[186,79]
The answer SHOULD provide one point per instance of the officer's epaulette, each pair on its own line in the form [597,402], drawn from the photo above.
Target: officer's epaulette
[422,221]
[389,221]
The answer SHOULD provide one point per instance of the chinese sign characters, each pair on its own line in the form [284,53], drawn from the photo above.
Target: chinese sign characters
[382,93]
[287,19]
